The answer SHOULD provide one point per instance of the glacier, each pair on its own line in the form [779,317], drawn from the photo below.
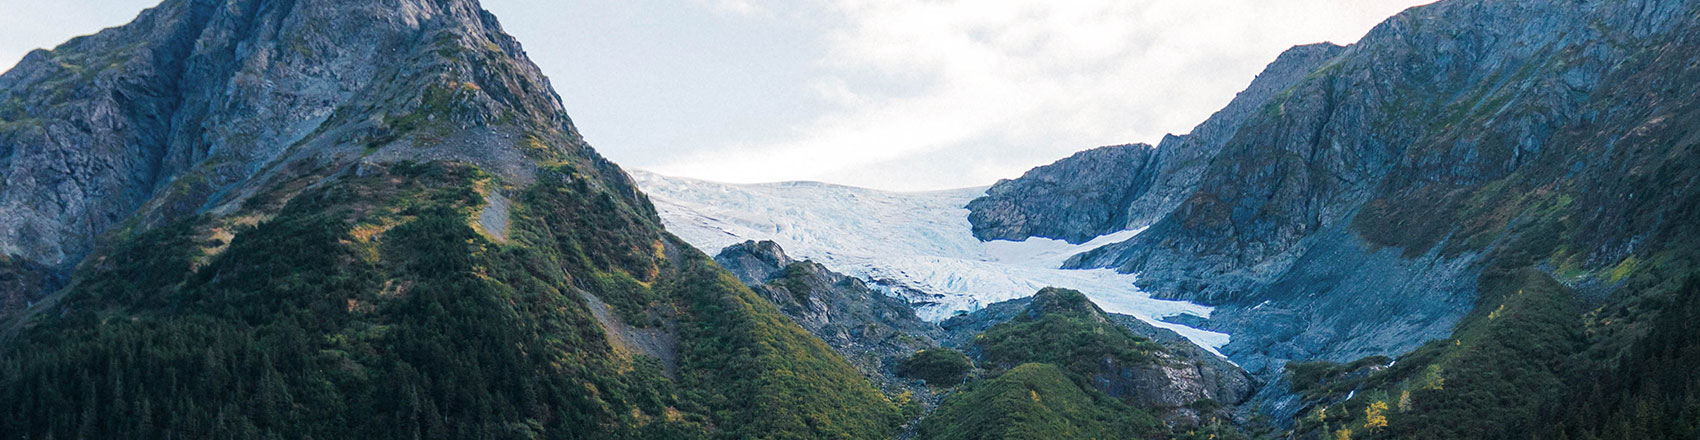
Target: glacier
[917,245]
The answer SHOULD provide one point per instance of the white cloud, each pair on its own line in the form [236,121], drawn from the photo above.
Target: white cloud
[739,7]
[1015,83]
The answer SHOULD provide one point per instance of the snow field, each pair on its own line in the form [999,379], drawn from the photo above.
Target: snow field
[918,244]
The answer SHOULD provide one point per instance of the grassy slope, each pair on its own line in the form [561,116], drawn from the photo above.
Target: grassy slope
[1069,331]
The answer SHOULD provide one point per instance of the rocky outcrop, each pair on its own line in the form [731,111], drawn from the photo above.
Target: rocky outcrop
[871,329]
[754,262]
[1076,199]
[1196,374]
[1110,189]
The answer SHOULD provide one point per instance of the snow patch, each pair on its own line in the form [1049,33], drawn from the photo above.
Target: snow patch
[919,244]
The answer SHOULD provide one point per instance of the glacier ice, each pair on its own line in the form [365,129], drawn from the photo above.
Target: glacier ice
[917,244]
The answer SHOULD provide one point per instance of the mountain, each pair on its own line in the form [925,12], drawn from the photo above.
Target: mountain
[1501,194]
[328,219]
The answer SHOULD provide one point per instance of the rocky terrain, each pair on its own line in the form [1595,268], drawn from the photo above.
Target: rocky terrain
[872,330]
[1373,198]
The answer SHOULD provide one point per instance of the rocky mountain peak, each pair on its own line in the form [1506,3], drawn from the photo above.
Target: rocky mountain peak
[199,105]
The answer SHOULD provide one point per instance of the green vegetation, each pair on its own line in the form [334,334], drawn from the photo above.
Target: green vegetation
[1042,362]
[761,374]
[794,278]
[1520,368]
[1651,392]
[1064,328]
[369,308]
[1590,262]
[937,366]
[22,281]
[1322,378]
[1036,401]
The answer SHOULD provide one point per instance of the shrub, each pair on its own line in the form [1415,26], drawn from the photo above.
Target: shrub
[937,366]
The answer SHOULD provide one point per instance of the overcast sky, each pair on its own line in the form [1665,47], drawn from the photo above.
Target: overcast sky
[891,94]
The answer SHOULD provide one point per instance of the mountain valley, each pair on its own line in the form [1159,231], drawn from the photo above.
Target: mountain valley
[323,219]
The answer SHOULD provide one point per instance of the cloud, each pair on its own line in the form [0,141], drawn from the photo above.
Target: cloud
[739,7]
[1008,84]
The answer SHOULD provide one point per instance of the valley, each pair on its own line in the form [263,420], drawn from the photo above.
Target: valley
[329,219]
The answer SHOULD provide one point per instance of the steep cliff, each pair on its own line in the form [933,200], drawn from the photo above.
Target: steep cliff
[1105,190]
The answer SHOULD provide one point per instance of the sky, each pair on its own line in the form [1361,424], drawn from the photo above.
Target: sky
[901,95]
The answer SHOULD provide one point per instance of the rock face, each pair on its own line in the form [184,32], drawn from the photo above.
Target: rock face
[871,329]
[1076,199]
[1193,373]
[1110,189]
[198,103]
